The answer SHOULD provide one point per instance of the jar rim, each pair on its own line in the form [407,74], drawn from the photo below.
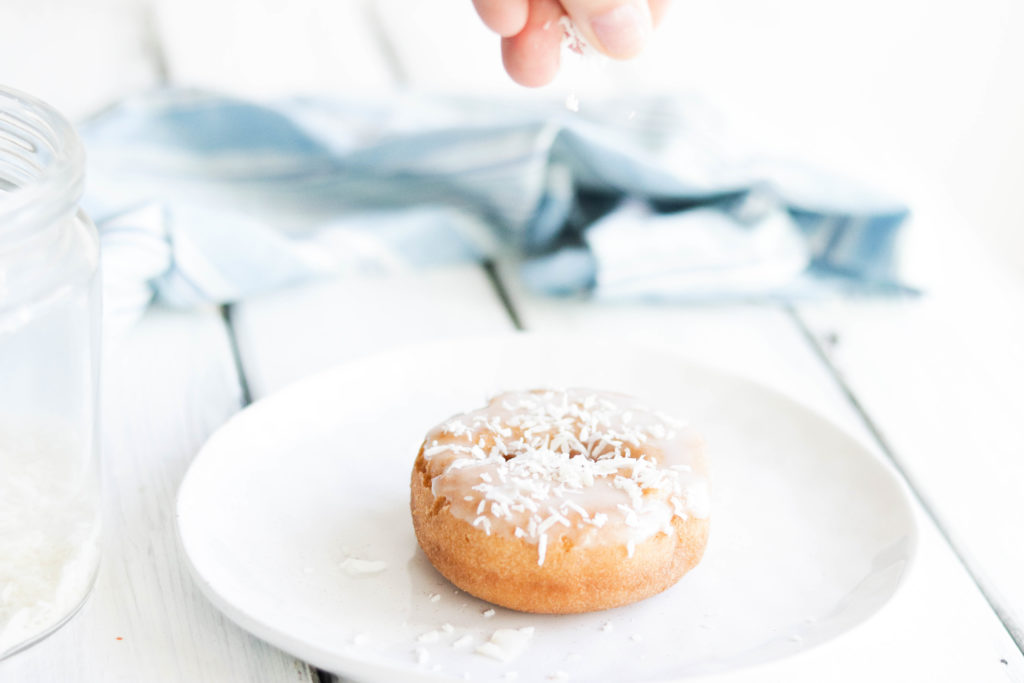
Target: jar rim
[37,135]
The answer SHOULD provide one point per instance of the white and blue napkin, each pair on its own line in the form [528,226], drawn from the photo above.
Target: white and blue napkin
[204,198]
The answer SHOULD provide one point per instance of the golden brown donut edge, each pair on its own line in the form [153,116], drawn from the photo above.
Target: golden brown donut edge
[503,569]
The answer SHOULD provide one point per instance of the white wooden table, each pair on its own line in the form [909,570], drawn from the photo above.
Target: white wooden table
[934,384]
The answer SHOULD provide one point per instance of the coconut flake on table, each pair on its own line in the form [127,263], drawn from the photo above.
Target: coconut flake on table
[506,644]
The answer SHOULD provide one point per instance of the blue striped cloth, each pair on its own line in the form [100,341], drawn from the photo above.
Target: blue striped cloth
[204,198]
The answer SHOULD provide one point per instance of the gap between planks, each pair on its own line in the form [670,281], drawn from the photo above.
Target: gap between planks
[316,675]
[227,315]
[491,269]
[816,347]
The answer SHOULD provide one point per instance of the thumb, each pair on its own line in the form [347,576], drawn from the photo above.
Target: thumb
[618,28]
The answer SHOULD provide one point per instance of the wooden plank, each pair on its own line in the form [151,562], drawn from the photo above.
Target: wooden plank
[291,333]
[166,387]
[940,377]
[939,626]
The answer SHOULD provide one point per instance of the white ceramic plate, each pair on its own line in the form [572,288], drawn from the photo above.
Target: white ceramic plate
[811,533]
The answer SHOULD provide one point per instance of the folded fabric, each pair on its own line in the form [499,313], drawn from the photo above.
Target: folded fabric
[203,198]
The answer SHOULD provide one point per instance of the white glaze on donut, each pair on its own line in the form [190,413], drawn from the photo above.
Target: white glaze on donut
[587,466]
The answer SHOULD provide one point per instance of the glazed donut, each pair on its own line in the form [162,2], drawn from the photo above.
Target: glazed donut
[561,501]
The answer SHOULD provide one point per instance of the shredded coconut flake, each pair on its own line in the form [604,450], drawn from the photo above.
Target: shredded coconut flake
[49,528]
[354,566]
[484,523]
[506,644]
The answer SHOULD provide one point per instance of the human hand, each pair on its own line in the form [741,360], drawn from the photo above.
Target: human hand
[532,35]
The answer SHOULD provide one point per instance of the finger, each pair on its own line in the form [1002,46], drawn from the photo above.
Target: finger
[658,9]
[531,56]
[504,17]
[618,28]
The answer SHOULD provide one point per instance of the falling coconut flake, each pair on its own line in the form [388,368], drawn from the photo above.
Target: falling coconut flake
[577,55]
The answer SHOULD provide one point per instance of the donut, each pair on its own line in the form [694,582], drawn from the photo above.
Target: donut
[561,501]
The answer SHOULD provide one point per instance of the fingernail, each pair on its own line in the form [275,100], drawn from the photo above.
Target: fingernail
[622,31]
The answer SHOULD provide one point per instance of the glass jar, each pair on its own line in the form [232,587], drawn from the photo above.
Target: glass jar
[49,357]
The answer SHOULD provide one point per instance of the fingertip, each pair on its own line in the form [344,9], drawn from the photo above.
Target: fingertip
[504,17]
[530,62]
[658,10]
[532,56]
[623,31]
[618,28]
